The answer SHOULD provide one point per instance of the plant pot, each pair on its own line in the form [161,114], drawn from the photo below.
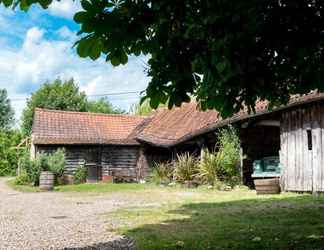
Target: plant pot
[107,178]
[46,181]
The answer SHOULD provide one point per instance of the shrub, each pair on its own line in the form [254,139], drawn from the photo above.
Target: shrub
[31,167]
[80,175]
[9,155]
[221,166]
[162,172]
[22,179]
[56,162]
[186,168]
[229,143]
[44,162]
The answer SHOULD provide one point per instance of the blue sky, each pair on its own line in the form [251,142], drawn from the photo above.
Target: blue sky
[37,46]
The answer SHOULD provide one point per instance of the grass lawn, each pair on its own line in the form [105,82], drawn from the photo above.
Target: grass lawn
[199,219]
[225,220]
[86,187]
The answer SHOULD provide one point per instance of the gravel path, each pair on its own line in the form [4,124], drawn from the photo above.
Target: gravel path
[51,220]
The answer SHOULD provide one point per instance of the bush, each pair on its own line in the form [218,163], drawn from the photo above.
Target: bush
[229,143]
[162,172]
[221,166]
[80,175]
[22,179]
[44,162]
[9,155]
[31,167]
[186,168]
[56,162]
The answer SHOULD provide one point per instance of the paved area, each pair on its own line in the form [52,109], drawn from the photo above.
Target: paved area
[52,220]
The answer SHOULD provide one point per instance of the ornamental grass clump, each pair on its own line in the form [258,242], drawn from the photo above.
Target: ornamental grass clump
[210,167]
[185,168]
[162,172]
[221,166]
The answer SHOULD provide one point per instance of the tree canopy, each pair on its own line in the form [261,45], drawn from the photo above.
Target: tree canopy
[103,106]
[225,53]
[61,96]
[144,108]
[6,111]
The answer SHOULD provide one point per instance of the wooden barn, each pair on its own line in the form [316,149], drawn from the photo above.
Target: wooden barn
[291,136]
[286,142]
[122,146]
[105,144]
[288,138]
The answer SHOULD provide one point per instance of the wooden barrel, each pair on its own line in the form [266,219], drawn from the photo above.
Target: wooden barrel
[46,181]
[267,186]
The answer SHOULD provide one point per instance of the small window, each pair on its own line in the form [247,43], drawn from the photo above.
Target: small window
[309,139]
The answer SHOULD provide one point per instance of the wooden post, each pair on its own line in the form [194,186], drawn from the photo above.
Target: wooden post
[32,151]
[241,163]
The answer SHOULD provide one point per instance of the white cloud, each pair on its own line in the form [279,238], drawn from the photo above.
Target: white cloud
[65,33]
[23,70]
[65,8]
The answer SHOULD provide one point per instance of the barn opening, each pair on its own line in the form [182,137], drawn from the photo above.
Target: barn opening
[260,142]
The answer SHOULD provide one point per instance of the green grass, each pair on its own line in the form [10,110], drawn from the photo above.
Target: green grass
[198,219]
[86,187]
[225,220]
[101,187]
[22,188]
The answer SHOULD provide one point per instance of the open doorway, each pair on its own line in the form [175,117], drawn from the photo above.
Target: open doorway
[261,145]
[93,165]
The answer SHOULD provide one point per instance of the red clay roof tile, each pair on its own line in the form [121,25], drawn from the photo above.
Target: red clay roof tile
[164,128]
[67,127]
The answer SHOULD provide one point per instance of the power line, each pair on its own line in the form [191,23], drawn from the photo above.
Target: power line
[93,95]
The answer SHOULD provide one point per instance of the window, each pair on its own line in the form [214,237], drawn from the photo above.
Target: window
[309,139]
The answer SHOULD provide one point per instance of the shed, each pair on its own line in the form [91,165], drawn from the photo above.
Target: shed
[105,144]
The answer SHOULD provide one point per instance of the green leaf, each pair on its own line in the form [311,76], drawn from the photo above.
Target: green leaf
[115,61]
[44,3]
[24,6]
[81,17]
[96,49]
[87,27]
[84,46]
[7,3]
[86,5]
[123,58]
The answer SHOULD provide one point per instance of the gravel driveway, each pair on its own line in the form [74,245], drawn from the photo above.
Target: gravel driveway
[52,220]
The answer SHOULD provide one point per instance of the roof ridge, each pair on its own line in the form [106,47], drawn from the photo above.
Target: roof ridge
[88,113]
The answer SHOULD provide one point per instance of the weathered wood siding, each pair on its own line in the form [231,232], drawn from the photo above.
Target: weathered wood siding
[303,168]
[119,161]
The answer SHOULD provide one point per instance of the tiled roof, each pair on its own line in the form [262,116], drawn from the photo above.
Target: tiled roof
[171,127]
[66,127]
[164,128]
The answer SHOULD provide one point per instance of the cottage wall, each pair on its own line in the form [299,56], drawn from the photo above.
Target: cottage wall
[119,161]
[302,152]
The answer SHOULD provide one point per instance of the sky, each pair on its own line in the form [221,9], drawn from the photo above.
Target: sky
[36,47]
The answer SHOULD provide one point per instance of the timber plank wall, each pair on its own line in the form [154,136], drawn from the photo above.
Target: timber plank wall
[120,161]
[302,152]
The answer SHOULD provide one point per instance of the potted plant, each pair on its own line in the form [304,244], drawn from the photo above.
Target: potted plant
[47,177]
